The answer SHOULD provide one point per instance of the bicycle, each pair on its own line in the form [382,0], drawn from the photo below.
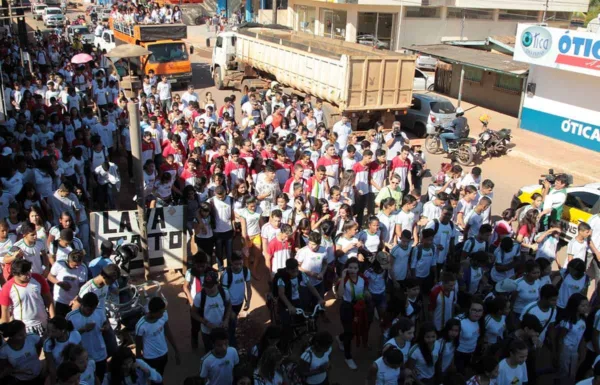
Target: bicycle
[303,331]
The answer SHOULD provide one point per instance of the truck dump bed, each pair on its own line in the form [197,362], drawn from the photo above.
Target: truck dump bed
[352,76]
[150,32]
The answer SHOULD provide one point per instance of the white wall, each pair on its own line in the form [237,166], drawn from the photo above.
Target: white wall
[529,5]
[564,93]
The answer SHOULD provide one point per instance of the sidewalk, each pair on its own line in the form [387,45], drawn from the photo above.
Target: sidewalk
[537,149]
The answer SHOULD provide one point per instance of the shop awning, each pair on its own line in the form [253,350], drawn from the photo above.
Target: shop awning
[476,58]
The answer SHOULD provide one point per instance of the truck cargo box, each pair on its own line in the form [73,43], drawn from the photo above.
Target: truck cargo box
[350,75]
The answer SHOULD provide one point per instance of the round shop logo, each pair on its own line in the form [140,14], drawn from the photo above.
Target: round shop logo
[536,41]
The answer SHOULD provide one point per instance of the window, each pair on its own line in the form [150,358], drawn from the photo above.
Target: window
[473,74]
[219,42]
[306,18]
[416,104]
[512,14]
[427,12]
[375,29]
[334,23]
[481,14]
[559,16]
[582,200]
[442,107]
[419,74]
[508,83]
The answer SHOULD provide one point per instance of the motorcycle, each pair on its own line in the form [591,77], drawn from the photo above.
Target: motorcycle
[460,150]
[491,142]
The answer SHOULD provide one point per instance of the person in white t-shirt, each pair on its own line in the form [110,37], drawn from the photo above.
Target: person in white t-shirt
[474,219]
[578,246]
[67,276]
[312,260]
[548,243]
[164,93]
[570,332]
[315,361]
[19,354]
[151,335]
[217,365]
[236,280]
[513,370]
[386,369]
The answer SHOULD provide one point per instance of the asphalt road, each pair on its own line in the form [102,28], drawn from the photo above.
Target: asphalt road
[508,173]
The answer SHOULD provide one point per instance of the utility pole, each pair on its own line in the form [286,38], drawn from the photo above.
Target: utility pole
[136,152]
[545,11]
[462,25]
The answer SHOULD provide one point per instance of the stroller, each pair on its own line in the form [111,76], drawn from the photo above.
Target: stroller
[131,302]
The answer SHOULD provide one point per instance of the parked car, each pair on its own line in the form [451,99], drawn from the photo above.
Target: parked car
[37,10]
[426,62]
[582,203]
[53,17]
[82,31]
[372,41]
[103,14]
[105,41]
[427,111]
[423,81]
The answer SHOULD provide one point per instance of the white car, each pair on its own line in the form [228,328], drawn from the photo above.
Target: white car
[37,10]
[105,41]
[82,31]
[424,81]
[53,17]
[426,62]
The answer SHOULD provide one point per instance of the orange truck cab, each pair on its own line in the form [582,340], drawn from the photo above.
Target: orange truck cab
[169,54]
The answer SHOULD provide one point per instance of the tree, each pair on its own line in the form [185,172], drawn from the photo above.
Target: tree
[593,11]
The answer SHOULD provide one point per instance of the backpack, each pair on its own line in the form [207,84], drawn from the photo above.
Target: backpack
[281,273]
[436,226]
[460,247]
[203,301]
[419,254]
[245,272]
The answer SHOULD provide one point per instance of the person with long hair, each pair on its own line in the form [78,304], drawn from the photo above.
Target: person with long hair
[203,229]
[60,333]
[449,337]
[423,356]
[486,372]
[19,355]
[28,197]
[76,354]
[251,223]
[270,337]
[570,332]
[320,213]
[268,371]
[298,212]
[400,336]
[527,231]
[240,194]
[528,288]
[344,216]
[124,368]
[301,234]
[65,221]
[315,361]
[44,177]
[35,216]
[471,333]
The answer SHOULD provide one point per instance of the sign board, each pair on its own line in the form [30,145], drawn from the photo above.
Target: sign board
[576,51]
[166,235]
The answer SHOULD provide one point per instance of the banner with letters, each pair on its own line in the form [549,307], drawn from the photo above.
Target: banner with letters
[166,235]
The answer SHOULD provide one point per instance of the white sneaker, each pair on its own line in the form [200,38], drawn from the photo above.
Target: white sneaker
[351,364]
[340,343]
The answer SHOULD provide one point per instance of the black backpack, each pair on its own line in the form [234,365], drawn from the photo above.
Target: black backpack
[227,284]
[203,301]
[419,254]
[281,273]
[436,226]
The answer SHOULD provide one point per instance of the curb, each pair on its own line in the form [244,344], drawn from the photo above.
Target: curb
[546,164]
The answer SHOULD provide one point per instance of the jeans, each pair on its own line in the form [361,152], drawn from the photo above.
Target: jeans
[84,237]
[360,204]
[445,136]
[223,243]
[235,309]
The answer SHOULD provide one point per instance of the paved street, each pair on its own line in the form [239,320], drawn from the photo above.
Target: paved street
[509,173]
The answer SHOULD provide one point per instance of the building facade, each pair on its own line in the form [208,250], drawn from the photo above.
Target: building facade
[395,24]
[563,87]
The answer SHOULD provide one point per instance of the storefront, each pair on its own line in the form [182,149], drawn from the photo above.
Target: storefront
[563,87]
[376,29]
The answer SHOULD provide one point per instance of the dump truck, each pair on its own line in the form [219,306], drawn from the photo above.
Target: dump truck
[169,54]
[365,83]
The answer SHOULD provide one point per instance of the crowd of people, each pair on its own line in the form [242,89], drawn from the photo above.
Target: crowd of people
[419,268]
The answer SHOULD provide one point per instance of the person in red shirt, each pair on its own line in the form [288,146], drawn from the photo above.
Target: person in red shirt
[147,147]
[236,169]
[175,148]
[401,166]
[268,152]
[317,186]
[190,174]
[297,176]
[246,152]
[277,117]
[197,140]
[169,166]
[332,163]
[308,167]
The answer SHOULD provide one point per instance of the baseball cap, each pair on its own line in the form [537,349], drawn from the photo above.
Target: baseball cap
[506,286]
[210,279]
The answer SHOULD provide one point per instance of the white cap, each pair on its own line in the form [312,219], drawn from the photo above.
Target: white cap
[460,110]
[506,286]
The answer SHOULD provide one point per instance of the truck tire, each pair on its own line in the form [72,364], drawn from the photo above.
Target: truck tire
[218,79]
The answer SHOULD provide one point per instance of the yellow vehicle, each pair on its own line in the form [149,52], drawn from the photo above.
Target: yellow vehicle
[169,53]
[581,204]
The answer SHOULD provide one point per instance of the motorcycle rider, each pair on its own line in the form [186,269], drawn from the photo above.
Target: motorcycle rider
[458,129]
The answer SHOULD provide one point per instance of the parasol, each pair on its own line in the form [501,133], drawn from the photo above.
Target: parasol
[81,58]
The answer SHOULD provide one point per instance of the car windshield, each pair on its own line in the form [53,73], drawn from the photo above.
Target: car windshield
[81,30]
[442,107]
[40,7]
[167,52]
[53,12]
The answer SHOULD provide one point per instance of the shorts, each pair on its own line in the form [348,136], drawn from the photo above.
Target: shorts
[256,240]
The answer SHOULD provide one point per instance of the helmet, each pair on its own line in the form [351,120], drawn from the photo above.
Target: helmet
[274,84]
[460,110]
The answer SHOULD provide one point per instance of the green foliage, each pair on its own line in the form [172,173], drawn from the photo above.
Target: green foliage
[593,12]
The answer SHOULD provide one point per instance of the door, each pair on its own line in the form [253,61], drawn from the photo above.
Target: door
[420,82]
[219,53]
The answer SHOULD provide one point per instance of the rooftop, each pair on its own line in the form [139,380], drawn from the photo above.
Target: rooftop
[487,61]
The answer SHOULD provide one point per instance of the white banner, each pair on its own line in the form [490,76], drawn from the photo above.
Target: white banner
[558,48]
[166,235]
